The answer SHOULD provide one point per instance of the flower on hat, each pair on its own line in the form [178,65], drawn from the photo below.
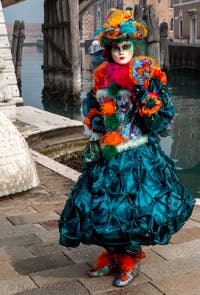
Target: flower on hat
[120,26]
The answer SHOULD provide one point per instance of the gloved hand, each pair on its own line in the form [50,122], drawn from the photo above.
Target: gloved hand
[140,93]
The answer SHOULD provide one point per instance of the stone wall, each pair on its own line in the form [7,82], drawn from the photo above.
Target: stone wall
[8,88]
[87,24]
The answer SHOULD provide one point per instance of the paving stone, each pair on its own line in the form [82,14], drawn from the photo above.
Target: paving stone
[4,222]
[32,218]
[139,289]
[60,275]
[104,285]
[187,249]
[10,254]
[184,284]
[72,288]
[36,264]
[9,230]
[48,236]
[16,210]
[43,249]
[47,199]
[36,229]
[18,241]
[43,292]
[51,206]
[39,231]
[83,253]
[196,214]
[50,224]
[4,200]
[191,223]
[185,235]
[7,271]
[4,255]
[151,256]
[166,269]
[39,191]
[9,201]
[11,287]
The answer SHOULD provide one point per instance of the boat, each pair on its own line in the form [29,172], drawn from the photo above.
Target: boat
[40,42]
[96,54]
[96,58]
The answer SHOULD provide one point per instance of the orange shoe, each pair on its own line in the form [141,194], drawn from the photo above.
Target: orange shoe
[102,267]
[129,270]
[106,263]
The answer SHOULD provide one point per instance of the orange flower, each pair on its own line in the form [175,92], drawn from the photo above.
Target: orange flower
[115,18]
[160,75]
[148,112]
[146,83]
[139,27]
[93,112]
[108,107]
[112,138]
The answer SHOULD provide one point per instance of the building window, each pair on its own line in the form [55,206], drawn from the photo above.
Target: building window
[159,1]
[172,4]
[171,24]
[193,24]
[98,18]
[113,3]
[180,28]
[143,3]
[109,3]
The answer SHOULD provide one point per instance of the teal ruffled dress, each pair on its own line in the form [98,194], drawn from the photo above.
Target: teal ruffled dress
[127,196]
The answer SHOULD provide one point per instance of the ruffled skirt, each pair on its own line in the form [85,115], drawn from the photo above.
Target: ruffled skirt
[131,200]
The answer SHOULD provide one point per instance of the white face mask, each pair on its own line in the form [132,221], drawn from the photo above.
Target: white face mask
[122,52]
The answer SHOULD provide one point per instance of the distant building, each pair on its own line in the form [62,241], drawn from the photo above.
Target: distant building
[164,10]
[187,21]
[33,31]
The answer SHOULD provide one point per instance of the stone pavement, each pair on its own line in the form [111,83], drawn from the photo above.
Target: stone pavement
[33,263]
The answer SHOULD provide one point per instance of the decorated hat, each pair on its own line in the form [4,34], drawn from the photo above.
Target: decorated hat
[120,26]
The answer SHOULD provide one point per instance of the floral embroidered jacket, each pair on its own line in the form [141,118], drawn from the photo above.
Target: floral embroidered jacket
[129,105]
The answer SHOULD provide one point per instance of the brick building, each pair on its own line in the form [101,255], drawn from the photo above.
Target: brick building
[187,21]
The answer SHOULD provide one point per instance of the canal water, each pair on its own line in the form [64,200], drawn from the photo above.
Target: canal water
[182,142]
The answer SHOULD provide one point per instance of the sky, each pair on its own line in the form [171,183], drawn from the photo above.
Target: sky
[29,11]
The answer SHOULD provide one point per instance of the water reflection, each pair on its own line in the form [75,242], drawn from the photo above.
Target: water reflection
[185,131]
[182,141]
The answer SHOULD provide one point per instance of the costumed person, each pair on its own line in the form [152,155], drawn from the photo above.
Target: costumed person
[128,194]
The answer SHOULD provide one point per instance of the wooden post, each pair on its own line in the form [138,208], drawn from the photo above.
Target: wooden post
[138,11]
[61,67]
[164,46]
[153,37]
[17,49]
[20,46]
[138,15]
[75,45]
[14,44]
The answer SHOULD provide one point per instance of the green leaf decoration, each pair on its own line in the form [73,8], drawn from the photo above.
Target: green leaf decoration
[108,151]
[113,90]
[111,122]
